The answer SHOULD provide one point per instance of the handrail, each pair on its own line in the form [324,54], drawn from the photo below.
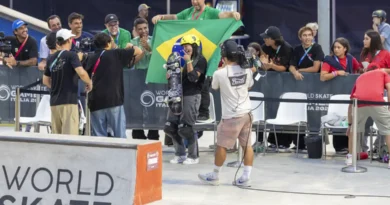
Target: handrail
[35,23]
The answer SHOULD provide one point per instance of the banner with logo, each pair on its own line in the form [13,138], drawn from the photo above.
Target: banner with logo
[167,37]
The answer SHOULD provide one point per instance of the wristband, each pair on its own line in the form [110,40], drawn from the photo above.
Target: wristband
[334,73]
[188,62]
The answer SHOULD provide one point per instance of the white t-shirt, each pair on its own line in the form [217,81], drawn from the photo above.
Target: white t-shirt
[233,82]
[43,49]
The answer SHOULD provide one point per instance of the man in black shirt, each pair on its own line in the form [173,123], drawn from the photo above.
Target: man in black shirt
[61,75]
[24,47]
[307,57]
[107,97]
[276,57]
[179,127]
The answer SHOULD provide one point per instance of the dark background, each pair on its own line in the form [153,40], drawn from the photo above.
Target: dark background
[353,16]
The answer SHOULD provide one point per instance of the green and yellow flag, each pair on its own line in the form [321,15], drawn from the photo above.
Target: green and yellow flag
[167,36]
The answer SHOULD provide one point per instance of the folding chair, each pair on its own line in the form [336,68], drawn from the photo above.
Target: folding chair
[258,111]
[42,116]
[210,123]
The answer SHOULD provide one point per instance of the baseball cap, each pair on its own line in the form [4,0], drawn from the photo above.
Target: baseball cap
[379,14]
[17,24]
[230,46]
[272,32]
[110,18]
[143,6]
[64,34]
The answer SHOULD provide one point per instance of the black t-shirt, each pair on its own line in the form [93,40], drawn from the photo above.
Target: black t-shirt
[279,56]
[108,90]
[30,49]
[315,54]
[64,79]
[193,88]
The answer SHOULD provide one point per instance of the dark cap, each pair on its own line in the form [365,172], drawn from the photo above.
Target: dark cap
[51,40]
[230,46]
[272,32]
[379,14]
[110,18]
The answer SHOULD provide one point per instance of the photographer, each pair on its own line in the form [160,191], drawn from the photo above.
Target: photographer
[61,74]
[234,82]
[24,48]
[106,100]
[179,127]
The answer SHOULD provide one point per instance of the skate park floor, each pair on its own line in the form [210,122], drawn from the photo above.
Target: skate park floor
[277,178]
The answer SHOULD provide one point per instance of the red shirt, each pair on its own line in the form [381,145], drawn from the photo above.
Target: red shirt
[370,86]
[343,62]
[382,60]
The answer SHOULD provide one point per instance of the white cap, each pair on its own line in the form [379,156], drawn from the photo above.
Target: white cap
[65,34]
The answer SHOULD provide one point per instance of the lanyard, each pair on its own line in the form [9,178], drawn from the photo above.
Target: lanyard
[55,61]
[277,52]
[21,47]
[304,55]
[346,61]
[199,13]
[97,63]
[117,38]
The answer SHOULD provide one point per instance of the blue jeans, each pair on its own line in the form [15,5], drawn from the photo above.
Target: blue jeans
[113,118]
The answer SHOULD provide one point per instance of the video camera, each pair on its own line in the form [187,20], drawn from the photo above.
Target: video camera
[249,58]
[5,45]
[85,47]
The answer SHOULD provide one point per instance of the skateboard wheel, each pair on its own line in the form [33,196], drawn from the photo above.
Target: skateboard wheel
[165,66]
[178,99]
[169,72]
[178,70]
[177,64]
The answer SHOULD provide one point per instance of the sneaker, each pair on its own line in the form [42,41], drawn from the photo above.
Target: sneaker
[190,161]
[342,151]
[283,149]
[209,178]
[348,160]
[178,159]
[242,182]
[202,118]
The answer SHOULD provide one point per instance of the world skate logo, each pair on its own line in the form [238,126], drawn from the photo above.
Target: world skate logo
[156,98]
[5,92]
[147,98]
[237,80]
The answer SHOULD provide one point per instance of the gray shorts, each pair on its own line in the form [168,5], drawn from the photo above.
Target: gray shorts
[380,115]
[190,111]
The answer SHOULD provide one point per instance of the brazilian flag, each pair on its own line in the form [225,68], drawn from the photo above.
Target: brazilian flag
[167,36]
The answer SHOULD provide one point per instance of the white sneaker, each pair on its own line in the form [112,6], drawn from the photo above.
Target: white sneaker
[209,178]
[178,159]
[189,161]
[348,160]
[242,182]
[389,165]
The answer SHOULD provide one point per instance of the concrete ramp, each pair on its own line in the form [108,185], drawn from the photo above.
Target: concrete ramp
[50,169]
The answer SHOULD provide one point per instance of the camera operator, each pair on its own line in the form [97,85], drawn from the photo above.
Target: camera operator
[233,81]
[24,48]
[61,75]
[106,100]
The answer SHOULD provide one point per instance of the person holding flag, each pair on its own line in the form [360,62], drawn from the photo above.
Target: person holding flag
[180,127]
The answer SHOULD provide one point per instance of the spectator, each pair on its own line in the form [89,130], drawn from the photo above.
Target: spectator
[143,12]
[181,127]
[370,87]
[54,24]
[75,22]
[106,100]
[143,41]
[61,77]
[314,27]
[276,57]
[51,42]
[121,36]
[379,18]
[340,62]
[236,117]
[373,54]
[307,56]
[24,47]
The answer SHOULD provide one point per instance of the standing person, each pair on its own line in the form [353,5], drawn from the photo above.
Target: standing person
[373,54]
[276,56]
[75,22]
[54,24]
[369,87]
[143,41]
[143,12]
[314,27]
[121,36]
[180,128]
[61,76]
[106,99]
[306,58]
[379,18]
[233,82]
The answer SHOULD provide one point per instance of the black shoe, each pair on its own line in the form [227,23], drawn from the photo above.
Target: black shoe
[202,118]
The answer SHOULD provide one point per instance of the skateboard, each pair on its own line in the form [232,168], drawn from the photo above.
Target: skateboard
[175,92]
